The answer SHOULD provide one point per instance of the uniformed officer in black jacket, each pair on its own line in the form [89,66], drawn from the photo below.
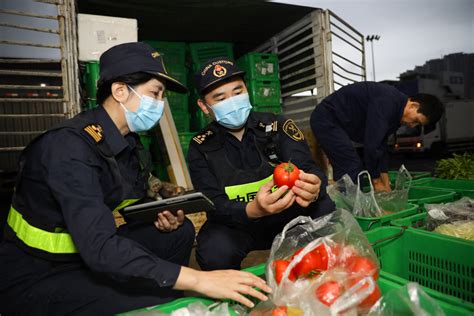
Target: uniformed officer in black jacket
[62,252]
[368,113]
[232,160]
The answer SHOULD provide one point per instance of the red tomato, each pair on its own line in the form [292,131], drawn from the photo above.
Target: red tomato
[328,292]
[362,266]
[314,261]
[285,173]
[280,311]
[323,254]
[280,267]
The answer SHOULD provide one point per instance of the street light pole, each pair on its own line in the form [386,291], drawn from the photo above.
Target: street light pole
[371,39]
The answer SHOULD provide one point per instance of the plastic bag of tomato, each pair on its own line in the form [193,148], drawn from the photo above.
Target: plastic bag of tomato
[324,266]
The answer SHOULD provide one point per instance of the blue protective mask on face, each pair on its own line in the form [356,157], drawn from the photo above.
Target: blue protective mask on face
[147,115]
[232,112]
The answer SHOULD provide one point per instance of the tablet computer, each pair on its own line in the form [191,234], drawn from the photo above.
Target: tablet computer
[190,203]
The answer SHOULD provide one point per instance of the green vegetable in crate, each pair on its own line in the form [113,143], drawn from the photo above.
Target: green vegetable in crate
[458,167]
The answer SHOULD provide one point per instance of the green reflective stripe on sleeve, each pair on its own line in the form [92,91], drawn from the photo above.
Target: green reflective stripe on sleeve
[58,243]
[125,203]
[245,192]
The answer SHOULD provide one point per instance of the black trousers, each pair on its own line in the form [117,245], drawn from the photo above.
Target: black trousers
[221,246]
[336,144]
[73,289]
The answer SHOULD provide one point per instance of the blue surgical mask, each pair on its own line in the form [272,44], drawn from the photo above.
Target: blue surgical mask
[147,115]
[233,112]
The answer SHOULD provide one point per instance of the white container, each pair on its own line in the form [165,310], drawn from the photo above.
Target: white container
[97,33]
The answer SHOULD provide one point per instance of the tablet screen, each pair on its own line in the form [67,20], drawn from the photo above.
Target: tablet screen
[189,203]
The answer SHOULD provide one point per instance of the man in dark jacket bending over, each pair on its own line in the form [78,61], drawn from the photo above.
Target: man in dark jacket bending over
[367,113]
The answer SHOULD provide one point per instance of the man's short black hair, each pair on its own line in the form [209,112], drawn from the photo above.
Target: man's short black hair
[104,88]
[430,106]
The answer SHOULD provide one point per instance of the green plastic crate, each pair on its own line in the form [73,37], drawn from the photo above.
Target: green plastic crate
[445,265]
[199,120]
[174,53]
[145,139]
[389,282]
[264,93]
[271,109]
[461,187]
[90,78]
[418,221]
[159,171]
[170,307]
[259,66]
[413,221]
[184,140]
[202,52]
[179,73]
[386,282]
[368,223]
[415,175]
[181,121]
[421,195]
[178,102]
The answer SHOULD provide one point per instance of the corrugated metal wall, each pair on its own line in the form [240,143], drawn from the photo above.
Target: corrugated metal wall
[37,93]
[317,55]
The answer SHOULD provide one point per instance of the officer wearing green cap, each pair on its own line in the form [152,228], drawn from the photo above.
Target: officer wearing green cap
[232,160]
[62,252]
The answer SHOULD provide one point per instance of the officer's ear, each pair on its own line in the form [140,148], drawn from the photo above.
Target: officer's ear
[202,105]
[120,92]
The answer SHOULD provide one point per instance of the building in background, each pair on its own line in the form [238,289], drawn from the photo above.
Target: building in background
[451,79]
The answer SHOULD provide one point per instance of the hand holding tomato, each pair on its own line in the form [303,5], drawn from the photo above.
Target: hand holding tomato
[306,188]
[286,173]
[267,202]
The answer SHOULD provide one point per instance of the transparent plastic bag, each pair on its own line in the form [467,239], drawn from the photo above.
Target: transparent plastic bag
[269,309]
[453,219]
[343,192]
[308,253]
[365,204]
[396,200]
[409,300]
[199,309]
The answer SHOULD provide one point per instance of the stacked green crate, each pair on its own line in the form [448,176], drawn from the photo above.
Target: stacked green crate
[262,81]
[185,139]
[89,78]
[174,58]
[200,53]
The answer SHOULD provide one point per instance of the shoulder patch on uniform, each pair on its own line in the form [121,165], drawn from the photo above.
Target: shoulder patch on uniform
[200,138]
[95,131]
[290,129]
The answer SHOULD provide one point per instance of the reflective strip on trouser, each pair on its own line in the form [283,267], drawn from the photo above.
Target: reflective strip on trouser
[245,192]
[60,243]
[34,237]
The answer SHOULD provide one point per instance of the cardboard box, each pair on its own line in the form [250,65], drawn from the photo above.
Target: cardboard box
[98,33]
